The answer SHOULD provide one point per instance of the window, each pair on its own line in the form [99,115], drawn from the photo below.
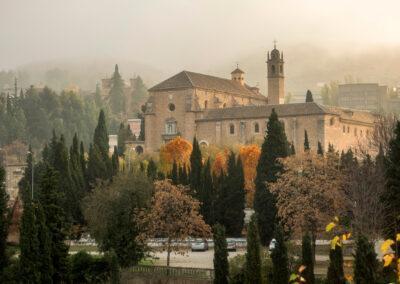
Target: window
[231,129]
[332,121]
[348,129]
[281,69]
[205,104]
[170,127]
[171,107]
[273,69]
[256,128]
[344,129]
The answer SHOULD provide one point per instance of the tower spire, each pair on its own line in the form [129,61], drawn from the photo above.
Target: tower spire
[275,43]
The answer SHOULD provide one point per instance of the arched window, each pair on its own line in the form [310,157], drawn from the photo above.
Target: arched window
[231,129]
[273,69]
[344,129]
[170,127]
[205,104]
[256,128]
[332,121]
[281,69]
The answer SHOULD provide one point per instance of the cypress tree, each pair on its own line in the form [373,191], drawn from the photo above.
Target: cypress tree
[253,257]
[45,265]
[309,97]
[174,173]
[320,151]
[307,259]
[292,149]
[29,271]
[221,265]
[100,137]
[152,170]
[117,98]
[280,259]
[219,207]
[335,269]
[3,221]
[82,158]
[142,133]
[51,200]
[306,143]
[365,263]
[121,140]
[391,195]
[115,161]
[275,146]
[206,195]
[184,176]
[78,179]
[195,167]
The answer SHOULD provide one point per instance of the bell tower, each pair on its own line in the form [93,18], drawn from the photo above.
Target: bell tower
[276,78]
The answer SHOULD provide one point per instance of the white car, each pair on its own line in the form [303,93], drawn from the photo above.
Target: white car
[199,245]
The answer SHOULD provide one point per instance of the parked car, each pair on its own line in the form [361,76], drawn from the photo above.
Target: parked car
[231,245]
[272,245]
[199,245]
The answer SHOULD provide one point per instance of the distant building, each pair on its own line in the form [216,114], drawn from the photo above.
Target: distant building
[363,96]
[135,126]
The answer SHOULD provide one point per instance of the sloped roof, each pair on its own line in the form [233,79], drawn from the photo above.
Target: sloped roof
[237,70]
[187,79]
[284,110]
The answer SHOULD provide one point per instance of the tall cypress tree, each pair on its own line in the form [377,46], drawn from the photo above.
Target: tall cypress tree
[51,200]
[115,161]
[307,259]
[78,179]
[152,170]
[45,265]
[184,175]
[306,143]
[252,272]
[275,146]
[121,139]
[96,168]
[100,137]
[365,263]
[335,269]
[206,195]
[391,194]
[117,97]
[309,97]
[3,221]
[29,271]
[320,151]
[280,259]
[221,265]
[195,167]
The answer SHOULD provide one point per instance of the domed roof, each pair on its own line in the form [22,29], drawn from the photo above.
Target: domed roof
[275,53]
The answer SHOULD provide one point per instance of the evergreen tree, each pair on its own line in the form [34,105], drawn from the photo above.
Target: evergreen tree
[174,173]
[206,195]
[292,149]
[280,259]
[142,128]
[3,221]
[184,176]
[115,161]
[307,259]
[253,256]
[152,170]
[335,269]
[391,195]
[320,151]
[121,140]
[221,265]
[306,143]
[29,245]
[96,168]
[45,265]
[51,200]
[117,97]
[82,158]
[78,179]
[366,264]
[195,167]
[309,97]
[275,146]
[100,138]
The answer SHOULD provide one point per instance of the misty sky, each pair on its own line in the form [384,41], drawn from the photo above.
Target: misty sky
[182,34]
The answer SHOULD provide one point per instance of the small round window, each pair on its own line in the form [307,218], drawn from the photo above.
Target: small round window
[171,107]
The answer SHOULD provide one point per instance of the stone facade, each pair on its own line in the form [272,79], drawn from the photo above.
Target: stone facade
[227,112]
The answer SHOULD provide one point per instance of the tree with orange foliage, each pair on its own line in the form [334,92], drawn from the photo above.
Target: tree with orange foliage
[220,163]
[175,216]
[177,150]
[249,154]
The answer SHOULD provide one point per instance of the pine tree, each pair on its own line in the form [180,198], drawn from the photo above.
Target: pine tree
[174,173]
[206,195]
[391,195]
[280,259]
[221,265]
[51,200]
[365,263]
[29,245]
[307,259]
[117,97]
[152,170]
[253,257]
[3,221]
[275,146]
[306,143]
[320,151]
[335,269]
[195,167]
[309,97]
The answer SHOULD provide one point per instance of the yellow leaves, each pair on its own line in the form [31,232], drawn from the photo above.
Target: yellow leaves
[293,277]
[330,226]
[348,277]
[346,236]
[335,242]
[386,245]
[398,238]
[302,268]
[387,259]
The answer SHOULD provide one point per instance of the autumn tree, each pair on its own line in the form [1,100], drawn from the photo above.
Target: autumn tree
[275,146]
[249,154]
[177,150]
[175,216]
[220,162]
[313,180]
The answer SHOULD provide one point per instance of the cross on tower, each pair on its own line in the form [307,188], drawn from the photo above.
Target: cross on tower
[275,43]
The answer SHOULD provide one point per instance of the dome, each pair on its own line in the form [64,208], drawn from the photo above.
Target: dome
[275,54]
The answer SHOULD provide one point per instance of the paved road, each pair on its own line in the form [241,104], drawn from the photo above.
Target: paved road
[191,259]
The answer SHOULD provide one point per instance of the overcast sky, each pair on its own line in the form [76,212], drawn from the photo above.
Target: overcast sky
[177,34]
